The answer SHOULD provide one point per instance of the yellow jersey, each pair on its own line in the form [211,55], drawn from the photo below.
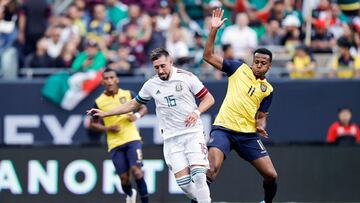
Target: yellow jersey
[300,64]
[346,68]
[128,131]
[245,96]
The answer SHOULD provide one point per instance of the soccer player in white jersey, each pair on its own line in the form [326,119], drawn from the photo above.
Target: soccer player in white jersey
[174,91]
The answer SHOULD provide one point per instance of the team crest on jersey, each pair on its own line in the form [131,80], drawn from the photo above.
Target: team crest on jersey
[178,87]
[122,100]
[263,88]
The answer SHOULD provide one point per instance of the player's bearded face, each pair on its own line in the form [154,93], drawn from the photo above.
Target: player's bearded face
[162,67]
[261,64]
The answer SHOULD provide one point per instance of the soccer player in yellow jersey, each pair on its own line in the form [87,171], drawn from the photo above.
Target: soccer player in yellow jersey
[123,138]
[242,116]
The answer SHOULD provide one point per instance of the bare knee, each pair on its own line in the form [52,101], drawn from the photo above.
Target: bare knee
[271,176]
[216,158]
[137,172]
[124,178]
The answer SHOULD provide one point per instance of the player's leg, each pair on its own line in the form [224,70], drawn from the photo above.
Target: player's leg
[196,154]
[179,166]
[250,147]
[135,159]
[218,147]
[122,169]
[266,168]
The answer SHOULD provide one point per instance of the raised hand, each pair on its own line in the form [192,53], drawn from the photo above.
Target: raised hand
[216,19]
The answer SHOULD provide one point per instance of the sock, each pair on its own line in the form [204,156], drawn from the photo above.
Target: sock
[127,189]
[270,189]
[187,186]
[198,175]
[193,201]
[142,188]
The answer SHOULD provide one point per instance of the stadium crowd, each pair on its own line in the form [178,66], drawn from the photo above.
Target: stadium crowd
[310,39]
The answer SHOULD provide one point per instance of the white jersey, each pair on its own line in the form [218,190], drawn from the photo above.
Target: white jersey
[174,100]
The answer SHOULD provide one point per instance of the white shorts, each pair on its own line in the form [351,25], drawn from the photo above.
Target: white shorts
[185,150]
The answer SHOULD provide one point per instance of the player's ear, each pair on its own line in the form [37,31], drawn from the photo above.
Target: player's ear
[171,60]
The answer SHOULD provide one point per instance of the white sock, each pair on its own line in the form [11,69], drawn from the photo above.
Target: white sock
[198,175]
[187,186]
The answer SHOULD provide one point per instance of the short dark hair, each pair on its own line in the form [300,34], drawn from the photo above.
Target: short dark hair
[106,70]
[343,42]
[225,47]
[157,53]
[344,108]
[264,51]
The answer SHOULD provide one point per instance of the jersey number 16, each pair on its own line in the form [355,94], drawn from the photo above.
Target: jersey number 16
[170,100]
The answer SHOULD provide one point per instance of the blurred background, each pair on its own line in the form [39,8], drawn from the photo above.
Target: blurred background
[52,53]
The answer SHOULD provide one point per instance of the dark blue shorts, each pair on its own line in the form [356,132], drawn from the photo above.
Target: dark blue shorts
[247,145]
[127,155]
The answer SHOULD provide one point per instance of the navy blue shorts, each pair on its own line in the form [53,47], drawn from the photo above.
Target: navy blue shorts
[127,155]
[247,145]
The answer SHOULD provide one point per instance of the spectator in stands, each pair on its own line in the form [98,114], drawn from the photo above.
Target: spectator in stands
[302,65]
[355,49]
[256,23]
[122,62]
[90,59]
[349,7]
[136,43]
[134,17]
[67,56]
[278,11]
[9,11]
[116,11]
[100,26]
[343,131]
[322,41]
[177,47]
[54,44]
[344,65]
[322,11]
[337,21]
[164,17]
[293,36]
[240,32]
[158,34]
[69,29]
[40,58]
[32,24]
[75,15]
[273,34]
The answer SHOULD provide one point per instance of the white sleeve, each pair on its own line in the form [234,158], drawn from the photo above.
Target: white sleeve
[144,94]
[197,87]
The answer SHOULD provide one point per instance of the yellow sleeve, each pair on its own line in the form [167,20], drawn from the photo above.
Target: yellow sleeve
[334,63]
[357,63]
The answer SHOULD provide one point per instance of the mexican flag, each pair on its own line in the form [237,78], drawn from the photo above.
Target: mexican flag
[68,90]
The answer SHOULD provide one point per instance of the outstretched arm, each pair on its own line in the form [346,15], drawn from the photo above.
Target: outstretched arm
[209,55]
[125,108]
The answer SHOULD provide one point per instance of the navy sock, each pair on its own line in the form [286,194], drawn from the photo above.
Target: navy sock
[193,201]
[270,189]
[142,188]
[127,189]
